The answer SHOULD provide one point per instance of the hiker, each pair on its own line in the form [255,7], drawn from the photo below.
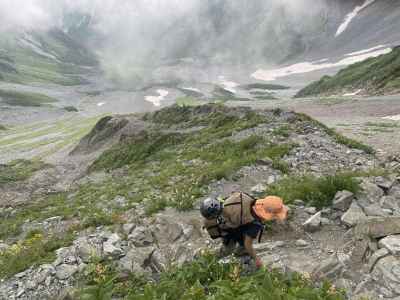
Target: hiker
[239,220]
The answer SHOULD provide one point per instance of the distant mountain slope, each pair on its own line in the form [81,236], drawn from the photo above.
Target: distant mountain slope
[380,75]
[51,56]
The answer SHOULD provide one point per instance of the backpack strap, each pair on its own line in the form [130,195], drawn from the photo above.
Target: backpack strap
[241,208]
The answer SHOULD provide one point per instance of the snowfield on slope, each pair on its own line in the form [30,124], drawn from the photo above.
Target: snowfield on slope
[306,67]
[342,28]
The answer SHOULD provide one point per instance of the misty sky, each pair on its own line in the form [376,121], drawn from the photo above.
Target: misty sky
[146,32]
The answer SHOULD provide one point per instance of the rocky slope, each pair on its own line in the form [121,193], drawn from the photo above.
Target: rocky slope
[374,76]
[103,215]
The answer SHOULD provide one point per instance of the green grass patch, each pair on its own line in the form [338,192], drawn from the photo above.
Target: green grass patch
[315,191]
[19,170]
[25,99]
[382,124]
[33,251]
[188,101]
[3,128]
[205,279]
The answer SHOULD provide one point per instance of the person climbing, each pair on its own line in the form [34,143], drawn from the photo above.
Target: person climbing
[239,220]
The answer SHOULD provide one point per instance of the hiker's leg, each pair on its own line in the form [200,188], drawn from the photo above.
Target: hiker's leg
[228,246]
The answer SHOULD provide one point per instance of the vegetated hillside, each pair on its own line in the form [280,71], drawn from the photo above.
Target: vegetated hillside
[380,75]
[14,98]
[128,230]
[51,56]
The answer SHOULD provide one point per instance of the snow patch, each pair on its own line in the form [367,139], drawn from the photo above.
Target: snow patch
[228,85]
[366,50]
[347,20]
[392,118]
[191,89]
[352,94]
[306,67]
[156,100]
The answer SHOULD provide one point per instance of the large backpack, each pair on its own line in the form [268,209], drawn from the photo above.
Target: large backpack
[237,212]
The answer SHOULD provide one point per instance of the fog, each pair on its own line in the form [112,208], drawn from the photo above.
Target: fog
[133,37]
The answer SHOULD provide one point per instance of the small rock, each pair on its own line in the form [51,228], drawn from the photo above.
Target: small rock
[330,268]
[64,271]
[391,243]
[343,200]
[141,237]
[325,221]
[120,201]
[354,215]
[127,228]
[111,251]
[265,161]
[259,188]
[389,202]
[298,202]
[385,183]
[314,223]
[311,210]
[301,243]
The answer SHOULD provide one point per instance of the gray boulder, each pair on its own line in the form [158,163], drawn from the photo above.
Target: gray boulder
[385,183]
[136,260]
[343,200]
[377,256]
[370,191]
[141,237]
[329,269]
[378,227]
[313,224]
[311,210]
[353,215]
[387,275]
[87,249]
[65,271]
[391,243]
[375,210]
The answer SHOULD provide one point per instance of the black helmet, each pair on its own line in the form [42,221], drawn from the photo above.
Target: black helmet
[211,208]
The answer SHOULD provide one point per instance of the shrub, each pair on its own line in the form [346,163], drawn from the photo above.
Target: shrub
[316,191]
[34,250]
[207,279]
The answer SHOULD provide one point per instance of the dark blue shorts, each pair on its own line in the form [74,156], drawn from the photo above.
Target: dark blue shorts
[237,235]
